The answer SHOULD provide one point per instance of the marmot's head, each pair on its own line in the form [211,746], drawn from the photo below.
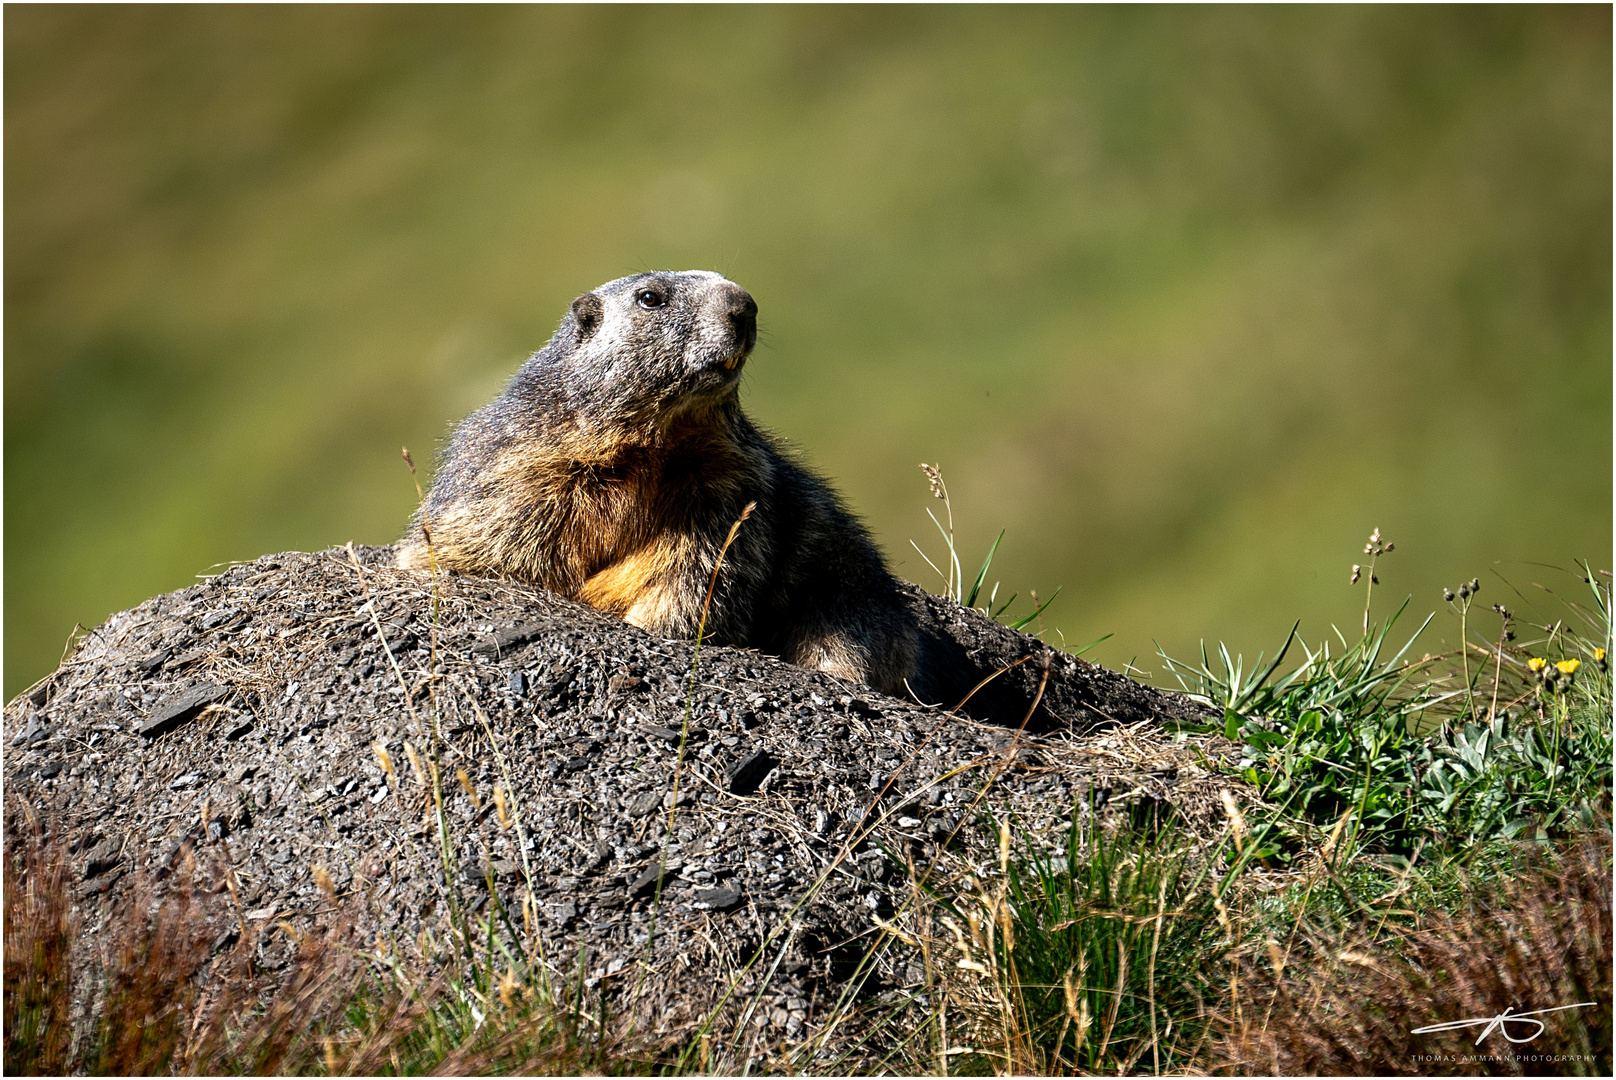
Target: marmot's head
[646,348]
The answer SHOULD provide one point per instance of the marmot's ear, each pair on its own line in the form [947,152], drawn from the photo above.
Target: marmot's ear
[587,313]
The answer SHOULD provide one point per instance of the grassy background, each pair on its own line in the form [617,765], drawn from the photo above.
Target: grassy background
[1186,300]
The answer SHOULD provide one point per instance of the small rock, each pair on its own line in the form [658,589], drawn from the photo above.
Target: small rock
[668,734]
[503,641]
[51,769]
[645,884]
[181,708]
[645,804]
[156,660]
[99,884]
[622,683]
[746,775]
[717,899]
[401,641]
[219,617]
[102,857]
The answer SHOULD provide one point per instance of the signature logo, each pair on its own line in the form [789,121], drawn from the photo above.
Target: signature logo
[1500,1023]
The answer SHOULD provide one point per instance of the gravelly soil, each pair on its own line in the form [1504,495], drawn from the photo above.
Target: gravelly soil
[241,717]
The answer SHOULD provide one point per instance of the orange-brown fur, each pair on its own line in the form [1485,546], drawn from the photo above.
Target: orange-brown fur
[586,519]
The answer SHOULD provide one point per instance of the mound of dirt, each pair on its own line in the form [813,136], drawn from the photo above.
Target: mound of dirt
[284,717]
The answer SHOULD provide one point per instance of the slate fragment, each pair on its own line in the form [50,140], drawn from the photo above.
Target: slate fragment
[507,638]
[185,659]
[156,660]
[645,884]
[671,735]
[623,683]
[720,899]
[399,636]
[182,708]
[219,618]
[101,858]
[646,803]
[38,731]
[746,775]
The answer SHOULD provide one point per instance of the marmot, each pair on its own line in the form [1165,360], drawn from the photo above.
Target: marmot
[613,465]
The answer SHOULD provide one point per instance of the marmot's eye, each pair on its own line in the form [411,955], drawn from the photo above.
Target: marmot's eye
[650,298]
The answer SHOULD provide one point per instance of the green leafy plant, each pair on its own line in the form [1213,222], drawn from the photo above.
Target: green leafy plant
[1404,753]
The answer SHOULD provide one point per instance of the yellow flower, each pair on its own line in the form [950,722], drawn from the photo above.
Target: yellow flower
[1599,656]
[1569,667]
[1537,663]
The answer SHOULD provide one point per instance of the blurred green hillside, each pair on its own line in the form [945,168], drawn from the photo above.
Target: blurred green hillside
[1187,300]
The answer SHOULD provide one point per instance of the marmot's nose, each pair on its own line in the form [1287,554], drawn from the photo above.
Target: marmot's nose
[742,312]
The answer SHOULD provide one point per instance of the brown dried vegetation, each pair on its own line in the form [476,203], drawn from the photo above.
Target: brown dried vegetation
[174,996]
[38,980]
[1540,941]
